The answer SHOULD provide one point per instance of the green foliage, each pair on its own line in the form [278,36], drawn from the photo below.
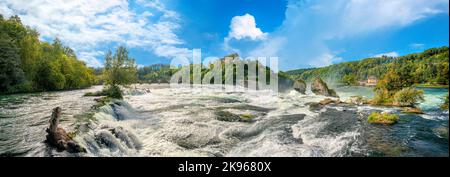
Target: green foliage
[445,105]
[382,97]
[395,89]
[37,66]
[120,69]
[114,92]
[109,91]
[10,72]
[428,67]
[157,73]
[382,118]
[408,97]
[349,79]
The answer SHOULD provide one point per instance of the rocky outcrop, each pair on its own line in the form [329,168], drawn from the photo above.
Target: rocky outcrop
[356,100]
[412,110]
[58,137]
[300,86]
[328,101]
[319,87]
[230,117]
[313,106]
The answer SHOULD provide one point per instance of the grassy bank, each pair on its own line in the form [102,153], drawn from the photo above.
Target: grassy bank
[430,86]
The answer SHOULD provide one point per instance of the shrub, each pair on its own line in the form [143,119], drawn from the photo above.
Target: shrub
[408,97]
[382,118]
[382,97]
[114,92]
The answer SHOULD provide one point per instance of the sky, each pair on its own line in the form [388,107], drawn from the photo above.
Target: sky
[301,33]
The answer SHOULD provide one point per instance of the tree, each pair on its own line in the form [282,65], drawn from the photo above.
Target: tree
[120,69]
[28,64]
[10,72]
[349,79]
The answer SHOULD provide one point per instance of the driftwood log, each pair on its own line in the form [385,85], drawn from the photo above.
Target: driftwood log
[58,137]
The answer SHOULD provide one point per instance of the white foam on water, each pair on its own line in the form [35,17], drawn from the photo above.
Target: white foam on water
[181,122]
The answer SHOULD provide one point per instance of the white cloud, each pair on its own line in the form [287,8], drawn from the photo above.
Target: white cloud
[245,27]
[417,46]
[388,54]
[87,25]
[91,58]
[269,48]
[360,16]
[309,25]
[324,60]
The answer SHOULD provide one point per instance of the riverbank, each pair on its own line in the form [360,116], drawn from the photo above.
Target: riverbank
[430,86]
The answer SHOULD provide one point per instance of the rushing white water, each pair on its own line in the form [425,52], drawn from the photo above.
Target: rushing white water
[155,120]
[24,117]
[183,122]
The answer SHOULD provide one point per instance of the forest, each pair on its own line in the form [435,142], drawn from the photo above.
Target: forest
[429,67]
[30,65]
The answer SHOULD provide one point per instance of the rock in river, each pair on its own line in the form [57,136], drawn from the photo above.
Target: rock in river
[300,86]
[319,87]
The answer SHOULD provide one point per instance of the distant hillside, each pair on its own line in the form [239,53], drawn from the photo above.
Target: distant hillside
[157,73]
[161,73]
[428,67]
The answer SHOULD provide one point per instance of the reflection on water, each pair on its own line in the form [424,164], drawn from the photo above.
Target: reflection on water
[184,122]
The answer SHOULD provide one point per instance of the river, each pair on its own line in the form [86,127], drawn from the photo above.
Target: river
[155,120]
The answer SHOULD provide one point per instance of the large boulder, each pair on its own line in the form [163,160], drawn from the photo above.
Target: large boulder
[58,137]
[319,87]
[300,86]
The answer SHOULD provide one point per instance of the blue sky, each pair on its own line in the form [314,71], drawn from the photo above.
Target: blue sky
[301,33]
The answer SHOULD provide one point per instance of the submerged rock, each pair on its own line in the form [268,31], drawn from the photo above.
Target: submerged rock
[127,137]
[58,137]
[328,101]
[442,132]
[319,87]
[314,106]
[412,110]
[107,139]
[230,117]
[300,86]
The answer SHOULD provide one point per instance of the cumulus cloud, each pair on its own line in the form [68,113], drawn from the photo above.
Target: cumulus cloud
[309,25]
[388,54]
[91,57]
[87,25]
[243,27]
